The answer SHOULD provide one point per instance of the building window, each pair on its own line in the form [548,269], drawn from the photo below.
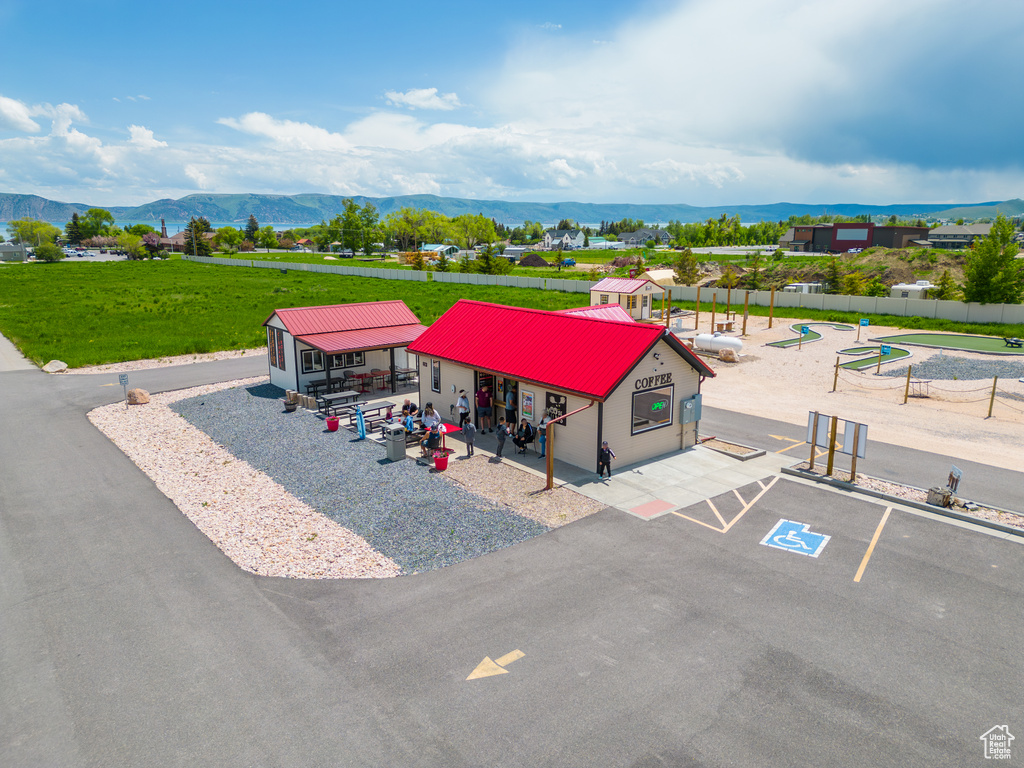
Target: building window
[275,345]
[312,360]
[435,375]
[652,409]
[630,303]
[604,298]
[348,360]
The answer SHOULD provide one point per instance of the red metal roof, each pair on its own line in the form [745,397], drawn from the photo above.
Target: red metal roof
[622,285]
[602,311]
[304,321]
[363,339]
[567,352]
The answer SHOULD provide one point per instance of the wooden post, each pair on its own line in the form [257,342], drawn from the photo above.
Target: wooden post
[771,309]
[878,368]
[696,322]
[746,311]
[853,463]
[906,390]
[728,301]
[549,447]
[714,300]
[814,438]
[832,445]
[858,332]
[835,379]
[992,400]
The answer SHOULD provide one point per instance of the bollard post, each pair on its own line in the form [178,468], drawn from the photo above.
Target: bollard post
[696,321]
[771,308]
[746,311]
[992,400]
[814,439]
[835,379]
[906,391]
[832,445]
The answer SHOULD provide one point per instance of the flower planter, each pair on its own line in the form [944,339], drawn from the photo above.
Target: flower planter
[332,423]
[290,407]
[441,463]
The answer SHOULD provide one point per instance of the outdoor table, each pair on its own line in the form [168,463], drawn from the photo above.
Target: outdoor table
[404,374]
[370,412]
[363,377]
[331,399]
[313,387]
[447,429]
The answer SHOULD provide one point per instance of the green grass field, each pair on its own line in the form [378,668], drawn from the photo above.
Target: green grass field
[960,341]
[87,314]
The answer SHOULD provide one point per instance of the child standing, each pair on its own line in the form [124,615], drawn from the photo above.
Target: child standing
[469,432]
[502,435]
[605,460]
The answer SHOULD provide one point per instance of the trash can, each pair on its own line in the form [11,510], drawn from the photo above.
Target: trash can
[394,437]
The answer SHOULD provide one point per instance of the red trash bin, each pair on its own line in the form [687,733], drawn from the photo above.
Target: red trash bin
[441,463]
[332,423]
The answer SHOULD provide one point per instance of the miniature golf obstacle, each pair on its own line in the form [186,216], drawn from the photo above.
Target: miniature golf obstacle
[716,342]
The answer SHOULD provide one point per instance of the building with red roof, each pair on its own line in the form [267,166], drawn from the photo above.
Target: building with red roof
[339,343]
[636,296]
[627,382]
[603,311]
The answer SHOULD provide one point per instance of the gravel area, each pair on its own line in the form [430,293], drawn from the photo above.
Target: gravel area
[415,516]
[1012,519]
[954,367]
[253,520]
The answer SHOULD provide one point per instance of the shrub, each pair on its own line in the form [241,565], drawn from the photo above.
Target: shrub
[48,252]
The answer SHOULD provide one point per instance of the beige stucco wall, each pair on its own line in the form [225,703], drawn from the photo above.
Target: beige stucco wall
[576,441]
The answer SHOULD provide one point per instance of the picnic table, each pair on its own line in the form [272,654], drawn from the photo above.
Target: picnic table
[366,379]
[404,374]
[331,401]
[313,387]
[372,414]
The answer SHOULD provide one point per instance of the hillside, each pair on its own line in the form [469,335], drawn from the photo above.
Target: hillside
[306,209]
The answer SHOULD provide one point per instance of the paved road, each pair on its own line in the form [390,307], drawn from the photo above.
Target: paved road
[130,640]
[924,469]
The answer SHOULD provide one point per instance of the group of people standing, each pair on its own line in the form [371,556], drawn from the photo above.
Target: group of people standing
[521,435]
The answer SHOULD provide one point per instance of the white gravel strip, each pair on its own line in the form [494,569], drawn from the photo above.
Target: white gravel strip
[163,362]
[253,520]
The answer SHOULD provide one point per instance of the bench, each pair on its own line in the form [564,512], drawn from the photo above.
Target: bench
[1019,343]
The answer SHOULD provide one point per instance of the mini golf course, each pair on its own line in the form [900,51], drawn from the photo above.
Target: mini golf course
[807,338]
[871,362]
[993,345]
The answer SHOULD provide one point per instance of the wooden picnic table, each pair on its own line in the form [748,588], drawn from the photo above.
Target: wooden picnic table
[331,400]
[371,413]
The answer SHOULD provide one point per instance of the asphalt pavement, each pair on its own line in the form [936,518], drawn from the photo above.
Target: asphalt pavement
[129,639]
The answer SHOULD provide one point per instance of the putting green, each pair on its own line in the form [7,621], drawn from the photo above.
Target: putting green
[871,362]
[961,341]
[807,338]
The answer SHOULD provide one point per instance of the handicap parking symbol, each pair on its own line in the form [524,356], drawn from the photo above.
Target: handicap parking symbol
[795,537]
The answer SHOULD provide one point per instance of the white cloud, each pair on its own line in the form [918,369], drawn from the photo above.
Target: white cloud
[548,26]
[287,134]
[423,98]
[143,138]
[14,114]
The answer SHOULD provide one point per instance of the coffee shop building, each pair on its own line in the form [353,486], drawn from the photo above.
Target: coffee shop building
[632,384]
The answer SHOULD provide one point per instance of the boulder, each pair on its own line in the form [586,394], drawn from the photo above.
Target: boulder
[55,366]
[728,356]
[138,396]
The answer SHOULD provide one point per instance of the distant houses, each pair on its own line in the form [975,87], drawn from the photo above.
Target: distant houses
[567,238]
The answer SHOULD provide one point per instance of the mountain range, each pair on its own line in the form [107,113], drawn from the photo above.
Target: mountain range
[308,209]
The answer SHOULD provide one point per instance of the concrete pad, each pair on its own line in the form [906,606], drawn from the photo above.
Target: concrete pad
[708,487]
[652,509]
[680,496]
[11,358]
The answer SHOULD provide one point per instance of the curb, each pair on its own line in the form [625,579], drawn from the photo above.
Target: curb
[843,485]
[755,453]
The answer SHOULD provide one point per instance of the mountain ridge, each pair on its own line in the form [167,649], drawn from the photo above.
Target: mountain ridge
[310,208]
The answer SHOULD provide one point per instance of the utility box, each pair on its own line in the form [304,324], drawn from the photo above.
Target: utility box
[394,437]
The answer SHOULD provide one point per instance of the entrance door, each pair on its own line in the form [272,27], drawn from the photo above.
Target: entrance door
[645,306]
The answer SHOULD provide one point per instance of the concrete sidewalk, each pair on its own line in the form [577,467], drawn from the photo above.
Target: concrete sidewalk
[649,489]
[11,359]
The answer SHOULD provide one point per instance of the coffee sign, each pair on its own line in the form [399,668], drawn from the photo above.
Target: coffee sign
[653,381]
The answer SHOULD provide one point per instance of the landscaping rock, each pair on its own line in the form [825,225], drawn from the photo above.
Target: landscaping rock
[728,356]
[55,366]
[138,396]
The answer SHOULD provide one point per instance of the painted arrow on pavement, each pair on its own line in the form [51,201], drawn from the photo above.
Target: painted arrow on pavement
[487,667]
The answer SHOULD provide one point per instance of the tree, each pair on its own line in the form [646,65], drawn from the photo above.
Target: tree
[195,243]
[267,238]
[95,222]
[48,252]
[132,245]
[833,277]
[228,237]
[853,284]
[876,288]
[469,229]
[490,263]
[139,229]
[32,232]
[151,242]
[753,277]
[993,274]
[566,224]
[729,278]
[416,260]
[686,267]
[251,228]
[946,289]
[72,231]
[443,263]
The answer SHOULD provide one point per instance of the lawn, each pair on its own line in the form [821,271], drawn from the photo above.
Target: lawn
[964,342]
[91,313]
[895,353]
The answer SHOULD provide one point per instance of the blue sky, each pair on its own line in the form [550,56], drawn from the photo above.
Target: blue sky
[707,102]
